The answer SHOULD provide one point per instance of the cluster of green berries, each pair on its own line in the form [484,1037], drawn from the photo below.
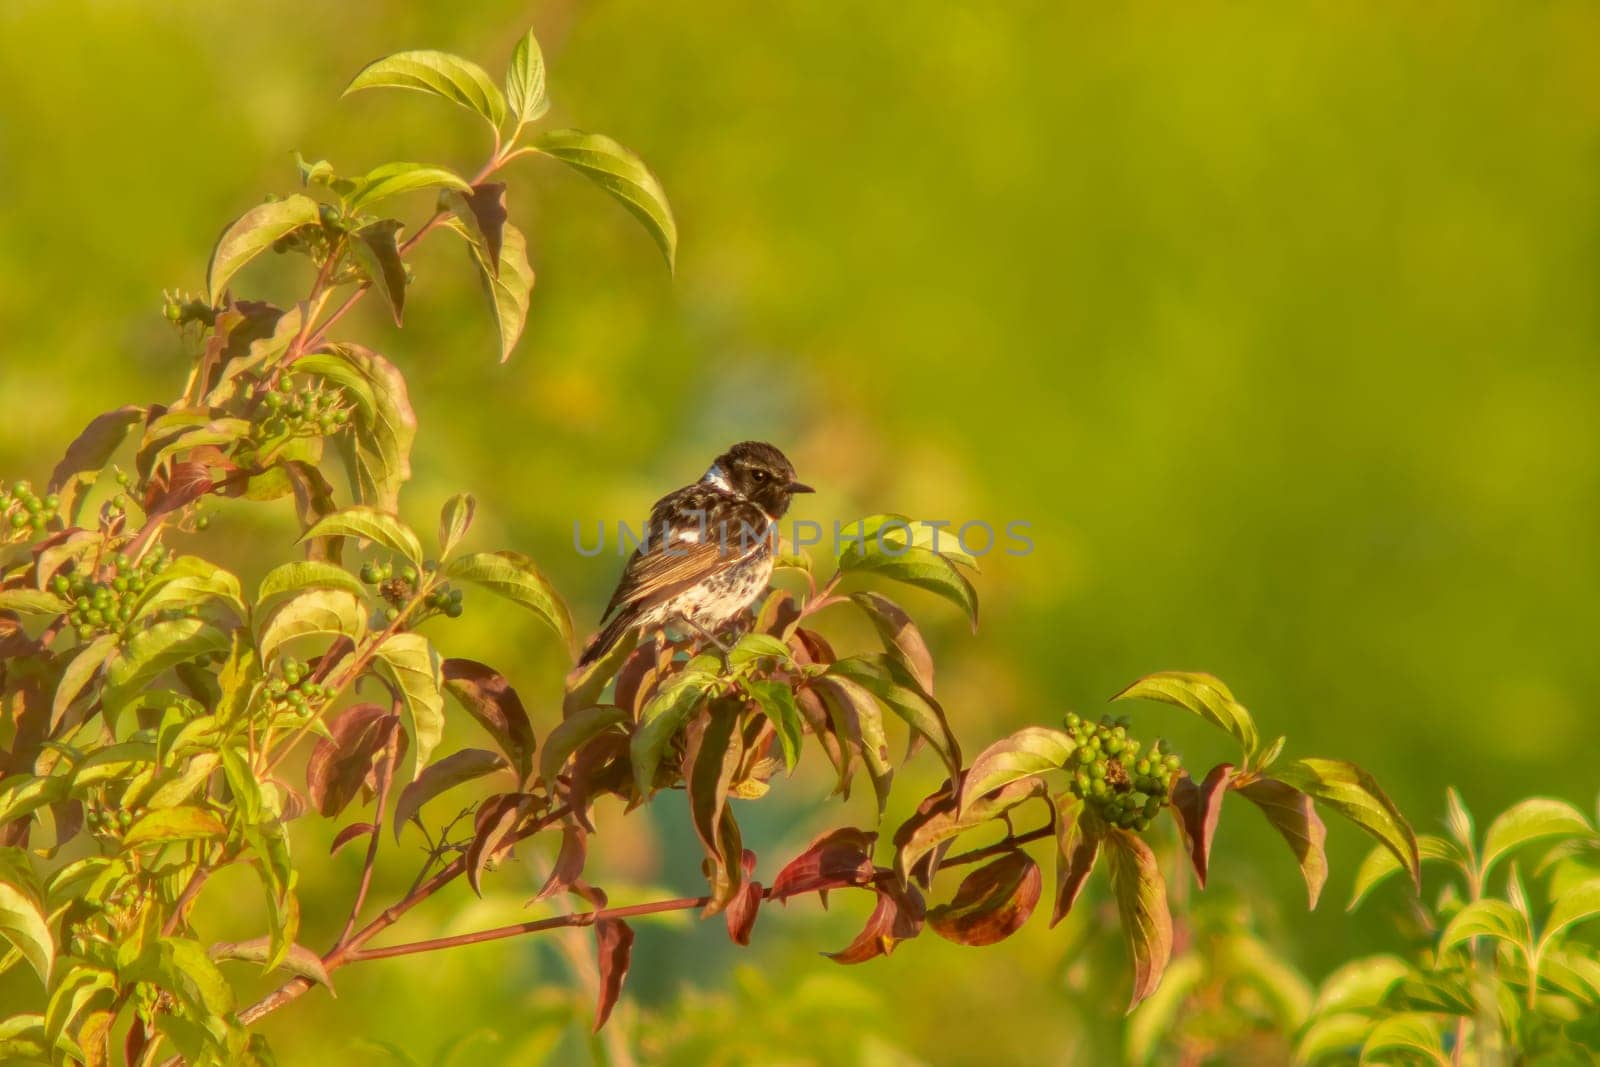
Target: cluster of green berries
[102,819]
[307,410]
[1124,788]
[313,241]
[107,606]
[292,691]
[26,513]
[397,588]
[181,309]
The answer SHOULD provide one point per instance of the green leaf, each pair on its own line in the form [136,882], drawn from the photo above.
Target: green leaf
[80,669]
[1332,1035]
[174,824]
[1459,819]
[777,703]
[189,581]
[575,731]
[1486,918]
[1028,753]
[414,666]
[890,532]
[370,524]
[455,769]
[24,793]
[755,646]
[1381,864]
[913,565]
[455,519]
[1413,1032]
[1141,895]
[253,233]
[1202,694]
[661,719]
[385,425]
[1530,820]
[1360,985]
[74,992]
[441,74]
[315,612]
[23,924]
[298,960]
[1294,816]
[901,638]
[621,173]
[508,283]
[305,575]
[919,711]
[525,82]
[514,576]
[857,717]
[1356,795]
[394,179]
[377,251]
[151,651]
[1576,905]
[27,601]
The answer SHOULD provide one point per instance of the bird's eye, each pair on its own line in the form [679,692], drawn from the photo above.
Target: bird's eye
[760,476]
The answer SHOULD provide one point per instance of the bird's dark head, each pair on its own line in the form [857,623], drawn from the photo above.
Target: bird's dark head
[759,473]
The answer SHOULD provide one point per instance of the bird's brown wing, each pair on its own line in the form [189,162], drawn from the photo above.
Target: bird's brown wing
[655,576]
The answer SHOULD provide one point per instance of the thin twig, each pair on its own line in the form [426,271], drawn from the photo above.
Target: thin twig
[385,782]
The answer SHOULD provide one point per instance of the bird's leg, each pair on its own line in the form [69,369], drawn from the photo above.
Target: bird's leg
[708,636]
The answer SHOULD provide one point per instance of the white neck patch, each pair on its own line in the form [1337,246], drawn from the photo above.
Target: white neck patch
[717,479]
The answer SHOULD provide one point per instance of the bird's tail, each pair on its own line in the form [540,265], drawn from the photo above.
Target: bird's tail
[605,639]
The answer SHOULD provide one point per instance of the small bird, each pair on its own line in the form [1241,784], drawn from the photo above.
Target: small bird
[707,552]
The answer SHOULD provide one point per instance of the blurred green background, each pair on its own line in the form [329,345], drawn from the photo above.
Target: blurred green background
[1277,323]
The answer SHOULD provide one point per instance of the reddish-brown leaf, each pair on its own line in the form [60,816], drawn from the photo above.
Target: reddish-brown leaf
[922,840]
[569,861]
[340,765]
[816,646]
[897,917]
[833,860]
[778,614]
[821,724]
[489,698]
[68,817]
[349,834]
[711,758]
[94,447]
[741,913]
[453,770]
[614,942]
[1295,817]
[1141,895]
[992,902]
[639,674]
[1196,809]
[496,819]
[186,482]
[1078,835]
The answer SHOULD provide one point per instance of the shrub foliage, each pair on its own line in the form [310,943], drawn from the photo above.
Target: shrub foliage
[163,722]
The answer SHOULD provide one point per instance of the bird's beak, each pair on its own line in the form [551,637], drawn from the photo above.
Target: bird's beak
[800,487]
